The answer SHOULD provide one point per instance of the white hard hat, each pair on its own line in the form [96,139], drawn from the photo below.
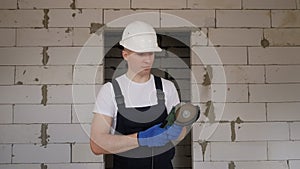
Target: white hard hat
[140,37]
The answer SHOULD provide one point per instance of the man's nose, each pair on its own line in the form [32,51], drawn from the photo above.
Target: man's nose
[148,57]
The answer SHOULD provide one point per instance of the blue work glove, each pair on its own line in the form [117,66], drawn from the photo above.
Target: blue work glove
[153,137]
[174,131]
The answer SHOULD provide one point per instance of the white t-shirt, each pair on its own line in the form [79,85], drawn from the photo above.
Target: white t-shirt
[135,95]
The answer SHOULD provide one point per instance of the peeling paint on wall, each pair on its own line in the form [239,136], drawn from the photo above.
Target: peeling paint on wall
[232,124]
[43,166]
[45,56]
[46,18]
[264,43]
[44,136]
[95,27]
[203,145]
[209,112]
[231,165]
[208,76]
[73,5]
[44,95]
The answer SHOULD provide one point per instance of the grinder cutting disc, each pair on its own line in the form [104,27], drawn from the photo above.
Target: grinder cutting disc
[186,114]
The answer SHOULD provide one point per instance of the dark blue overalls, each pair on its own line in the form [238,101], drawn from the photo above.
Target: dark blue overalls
[132,120]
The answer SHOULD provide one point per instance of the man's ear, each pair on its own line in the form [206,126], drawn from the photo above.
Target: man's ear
[125,54]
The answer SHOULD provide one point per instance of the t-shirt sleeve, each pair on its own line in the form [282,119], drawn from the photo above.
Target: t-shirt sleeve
[172,98]
[105,101]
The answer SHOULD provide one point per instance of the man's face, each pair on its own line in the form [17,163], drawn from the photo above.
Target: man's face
[139,63]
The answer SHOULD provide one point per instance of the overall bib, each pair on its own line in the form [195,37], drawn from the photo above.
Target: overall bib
[135,119]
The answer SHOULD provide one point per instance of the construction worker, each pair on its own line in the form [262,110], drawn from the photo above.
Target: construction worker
[129,110]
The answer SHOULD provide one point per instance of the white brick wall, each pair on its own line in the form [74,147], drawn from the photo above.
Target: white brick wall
[49,78]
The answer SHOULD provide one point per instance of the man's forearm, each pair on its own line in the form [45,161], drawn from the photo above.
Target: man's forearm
[112,144]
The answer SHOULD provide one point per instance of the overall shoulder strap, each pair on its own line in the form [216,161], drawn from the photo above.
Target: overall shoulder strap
[118,93]
[159,88]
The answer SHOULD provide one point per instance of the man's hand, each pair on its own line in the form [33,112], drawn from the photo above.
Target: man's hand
[155,136]
[174,131]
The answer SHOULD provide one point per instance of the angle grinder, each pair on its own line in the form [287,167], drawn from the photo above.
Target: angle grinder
[183,114]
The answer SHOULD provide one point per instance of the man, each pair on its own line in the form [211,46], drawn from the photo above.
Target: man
[129,111]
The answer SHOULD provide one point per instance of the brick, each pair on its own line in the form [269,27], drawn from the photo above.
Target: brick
[77,166]
[26,133]
[295,135]
[262,131]
[243,18]
[8,37]
[187,18]
[6,113]
[283,111]
[75,55]
[72,93]
[20,94]
[285,18]
[212,132]
[235,37]
[283,37]
[21,18]
[235,151]
[8,4]
[244,111]
[74,18]
[54,94]
[44,37]
[220,93]
[266,4]
[68,133]
[238,74]
[83,37]
[274,92]
[52,153]
[44,74]
[115,4]
[261,165]
[83,153]
[5,153]
[167,4]
[54,166]
[42,4]
[7,75]
[21,56]
[198,154]
[20,166]
[274,55]
[283,150]
[214,4]
[42,114]
[282,74]
[88,75]
[218,55]
[210,165]
[121,18]
[294,164]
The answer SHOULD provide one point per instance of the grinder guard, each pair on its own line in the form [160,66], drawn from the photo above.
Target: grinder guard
[183,114]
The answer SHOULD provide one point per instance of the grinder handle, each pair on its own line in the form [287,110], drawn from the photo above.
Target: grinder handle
[169,121]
